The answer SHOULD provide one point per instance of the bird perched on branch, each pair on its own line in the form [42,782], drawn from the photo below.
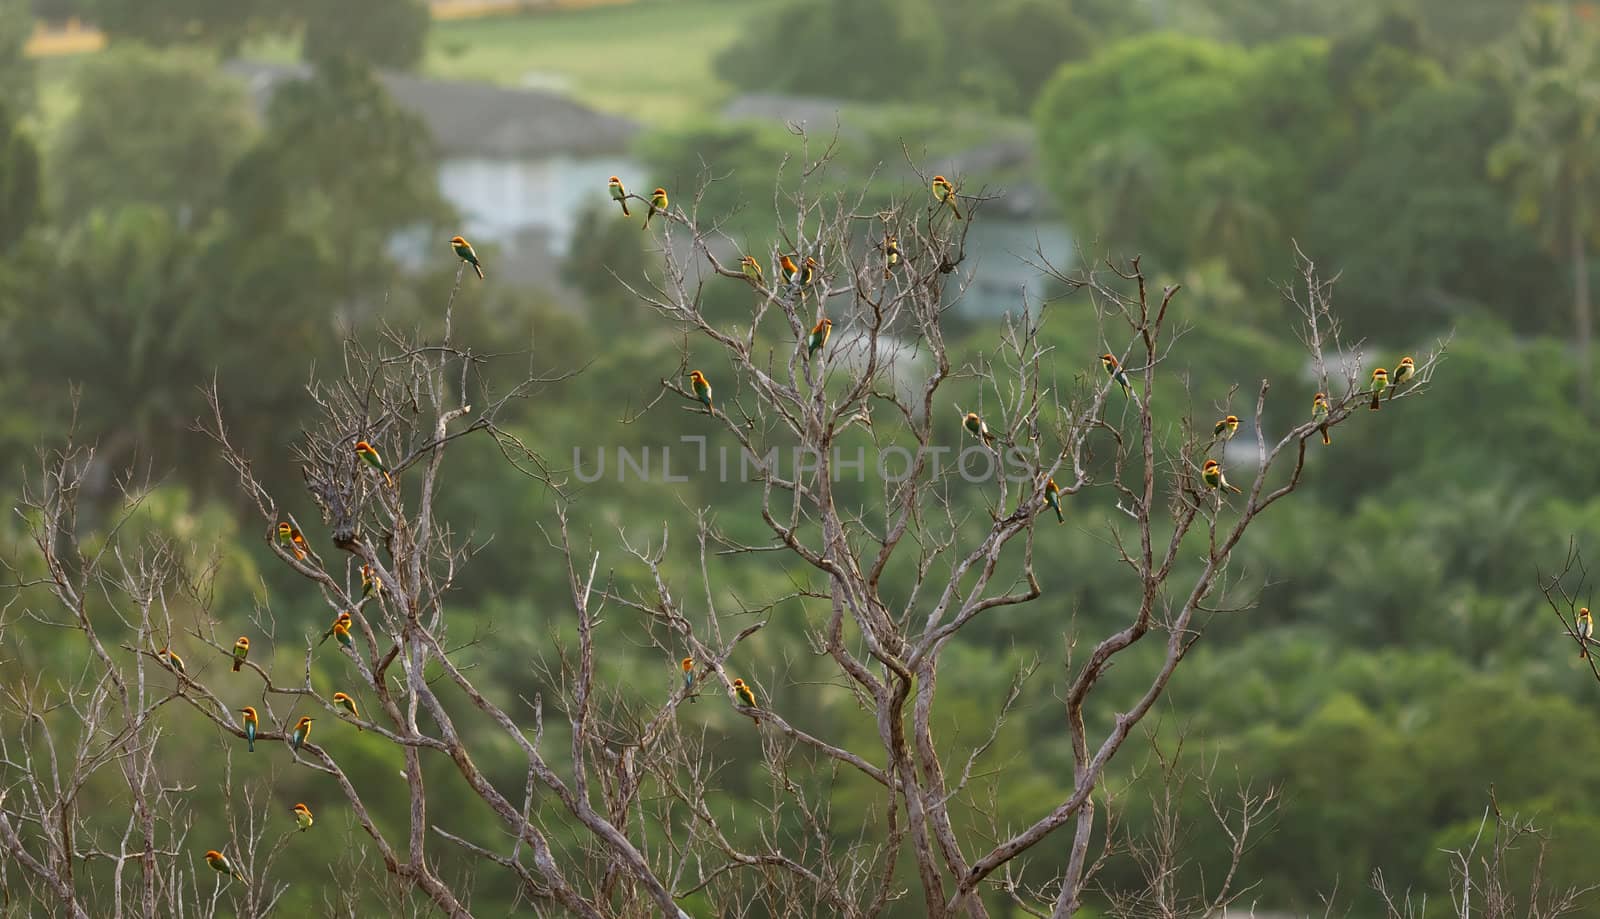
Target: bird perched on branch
[341,634]
[687,665]
[752,270]
[1212,473]
[291,537]
[302,817]
[1319,413]
[620,195]
[702,388]
[746,697]
[973,423]
[891,254]
[946,193]
[819,337]
[1380,382]
[173,660]
[342,619]
[1225,429]
[788,269]
[220,862]
[251,725]
[1585,632]
[658,204]
[241,650]
[464,249]
[348,704]
[369,582]
[369,455]
[1052,499]
[302,730]
[1114,370]
[1403,373]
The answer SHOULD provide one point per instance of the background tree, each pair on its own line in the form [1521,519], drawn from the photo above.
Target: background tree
[1547,155]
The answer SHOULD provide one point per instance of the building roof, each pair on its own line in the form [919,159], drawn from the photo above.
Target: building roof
[470,118]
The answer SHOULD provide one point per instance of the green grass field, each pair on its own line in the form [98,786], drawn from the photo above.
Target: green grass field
[650,61]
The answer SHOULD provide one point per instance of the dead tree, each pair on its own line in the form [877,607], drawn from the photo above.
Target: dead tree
[626,817]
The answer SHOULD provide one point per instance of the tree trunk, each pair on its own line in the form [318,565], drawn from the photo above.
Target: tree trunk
[1580,309]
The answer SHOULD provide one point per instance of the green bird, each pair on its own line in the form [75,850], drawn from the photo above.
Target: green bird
[702,388]
[464,249]
[241,650]
[1319,414]
[220,862]
[1402,374]
[1211,472]
[302,730]
[250,725]
[819,337]
[752,270]
[302,817]
[973,423]
[946,194]
[348,704]
[1052,499]
[619,194]
[1380,382]
[1114,369]
[342,619]
[658,204]
[369,455]
[746,697]
[341,632]
[1225,429]
[173,660]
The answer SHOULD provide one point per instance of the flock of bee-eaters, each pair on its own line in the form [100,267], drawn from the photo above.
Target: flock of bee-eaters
[797,278]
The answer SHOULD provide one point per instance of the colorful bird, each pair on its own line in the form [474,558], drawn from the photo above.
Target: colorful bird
[752,270]
[1402,374]
[464,249]
[369,582]
[620,195]
[1380,382]
[1052,499]
[370,454]
[302,730]
[220,862]
[808,272]
[1212,473]
[687,665]
[1585,631]
[658,202]
[973,423]
[342,619]
[891,254]
[341,633]
[302,816]
[173,660]
[787,268]
[250,726]
[946,193]
[1225,429]
[746,698]
[1114,369]
[1319,414]
[291,537]
[702,388]
[348,704]
[819,337]
[241,650]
